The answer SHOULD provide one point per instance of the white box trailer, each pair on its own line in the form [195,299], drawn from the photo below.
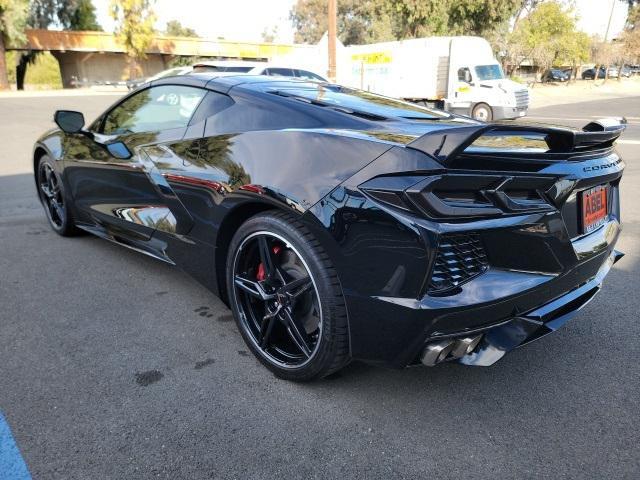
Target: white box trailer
[458,74]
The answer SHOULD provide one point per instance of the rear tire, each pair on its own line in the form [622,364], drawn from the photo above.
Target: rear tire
[54,199]
[482,112]
[298,336]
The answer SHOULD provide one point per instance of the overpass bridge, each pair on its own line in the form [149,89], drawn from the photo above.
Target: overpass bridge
[94,57]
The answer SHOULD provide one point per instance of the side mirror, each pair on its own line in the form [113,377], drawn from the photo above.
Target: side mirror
[467,76]
[69,121]
[118,150]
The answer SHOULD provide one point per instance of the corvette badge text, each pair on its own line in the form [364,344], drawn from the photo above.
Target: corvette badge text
[595,168]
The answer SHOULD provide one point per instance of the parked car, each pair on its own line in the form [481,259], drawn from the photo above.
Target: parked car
[590,73]
[280,71]
[338,224]
[262,68]
[555,75]
[625,71]
[133,84]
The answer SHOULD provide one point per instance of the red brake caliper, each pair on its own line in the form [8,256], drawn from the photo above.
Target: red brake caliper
[260,273]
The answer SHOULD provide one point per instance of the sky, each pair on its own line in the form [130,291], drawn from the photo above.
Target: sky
[593,16]
[231,19]
[247,19]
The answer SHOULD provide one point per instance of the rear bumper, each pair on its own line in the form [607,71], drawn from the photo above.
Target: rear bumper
[510,308]
[499,340]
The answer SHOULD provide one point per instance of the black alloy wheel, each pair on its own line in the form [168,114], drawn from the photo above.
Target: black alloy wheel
[51,193]
[286,299]
[278,299]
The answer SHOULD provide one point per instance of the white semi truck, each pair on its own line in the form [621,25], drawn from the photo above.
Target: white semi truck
[458,74]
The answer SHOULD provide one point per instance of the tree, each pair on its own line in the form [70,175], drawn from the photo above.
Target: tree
[548,36]
[359,21]
[84,17]
[134,29]
[13,17]
[269,34]
[524,8]
[631,35]
[70,14]
[419,18]
[574,50]
[175,29]
[470,17]
[362,21]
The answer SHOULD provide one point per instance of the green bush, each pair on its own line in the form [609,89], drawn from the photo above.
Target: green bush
[44,72]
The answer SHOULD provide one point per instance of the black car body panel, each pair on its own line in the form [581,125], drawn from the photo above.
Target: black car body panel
[434,235]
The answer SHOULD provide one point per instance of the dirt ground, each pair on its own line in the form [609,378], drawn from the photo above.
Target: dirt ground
[547,94]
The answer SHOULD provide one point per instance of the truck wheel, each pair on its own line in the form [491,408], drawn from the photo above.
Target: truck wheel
[482,112]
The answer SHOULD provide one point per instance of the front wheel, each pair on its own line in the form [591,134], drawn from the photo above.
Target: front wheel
[52,196]
[286,298]
[482,112]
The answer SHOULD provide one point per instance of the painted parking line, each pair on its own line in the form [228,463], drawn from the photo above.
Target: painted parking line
[628,142]
[12,466]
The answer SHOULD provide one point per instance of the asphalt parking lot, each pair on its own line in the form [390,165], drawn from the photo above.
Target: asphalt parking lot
[113,365]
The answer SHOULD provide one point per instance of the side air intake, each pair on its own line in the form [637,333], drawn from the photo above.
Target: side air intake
[460,258]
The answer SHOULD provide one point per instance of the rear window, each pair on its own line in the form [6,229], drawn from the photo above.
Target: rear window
[279,72]
[237,69]
[306,75]
[220,68]
[358,101]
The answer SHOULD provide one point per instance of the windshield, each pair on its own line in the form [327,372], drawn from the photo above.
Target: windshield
[489,72]
[361,102]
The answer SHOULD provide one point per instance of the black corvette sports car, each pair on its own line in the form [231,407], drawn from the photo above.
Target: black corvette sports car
[341,225]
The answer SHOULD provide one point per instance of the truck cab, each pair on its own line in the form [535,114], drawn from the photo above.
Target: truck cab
[482,92]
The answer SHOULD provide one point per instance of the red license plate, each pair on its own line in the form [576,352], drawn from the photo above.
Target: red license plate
[594,208]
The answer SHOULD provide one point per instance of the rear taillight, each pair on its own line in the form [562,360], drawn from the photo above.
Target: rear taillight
[458,196]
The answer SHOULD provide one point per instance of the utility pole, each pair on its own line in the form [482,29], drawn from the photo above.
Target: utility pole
[605,47]
[332,14]
[606,33]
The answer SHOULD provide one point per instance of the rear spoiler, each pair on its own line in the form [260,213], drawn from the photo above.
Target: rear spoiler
[446,145]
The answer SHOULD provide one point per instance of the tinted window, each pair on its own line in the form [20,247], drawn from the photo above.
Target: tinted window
[206,68]
[221,68]
[212,104]
[237,69]
[306,75]
[358,101]
[154,109]
[279,72]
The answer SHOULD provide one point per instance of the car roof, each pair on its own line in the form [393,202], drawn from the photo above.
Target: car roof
[224,81]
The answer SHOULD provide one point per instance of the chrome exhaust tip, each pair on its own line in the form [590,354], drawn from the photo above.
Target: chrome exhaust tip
[464,346]
[436,352]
